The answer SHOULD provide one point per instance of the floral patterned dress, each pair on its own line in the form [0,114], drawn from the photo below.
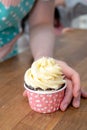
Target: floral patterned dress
[11,14]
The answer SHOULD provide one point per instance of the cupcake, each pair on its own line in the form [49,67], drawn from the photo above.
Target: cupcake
[45,85]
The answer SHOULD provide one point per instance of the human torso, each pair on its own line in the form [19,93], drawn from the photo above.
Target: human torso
[10,18]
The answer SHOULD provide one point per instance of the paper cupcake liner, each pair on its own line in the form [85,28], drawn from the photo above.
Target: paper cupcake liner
[45,101]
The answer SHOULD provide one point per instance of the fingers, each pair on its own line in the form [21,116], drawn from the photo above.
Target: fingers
[76,84]
[76,101]
[25,93]
[76,89]
[73,76]
[83,93]
[75,79]
[68,96]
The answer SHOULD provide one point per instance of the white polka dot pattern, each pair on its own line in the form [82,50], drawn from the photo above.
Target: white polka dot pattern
[11,14]
[45,103]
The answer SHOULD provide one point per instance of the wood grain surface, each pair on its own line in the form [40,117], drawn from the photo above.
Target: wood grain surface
[15,113]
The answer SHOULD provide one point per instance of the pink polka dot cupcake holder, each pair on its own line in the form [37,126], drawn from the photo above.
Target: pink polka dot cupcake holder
[45,101]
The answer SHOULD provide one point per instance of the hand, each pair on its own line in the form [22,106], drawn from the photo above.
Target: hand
[73,90]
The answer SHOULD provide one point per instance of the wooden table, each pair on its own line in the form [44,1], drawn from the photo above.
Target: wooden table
[15,113]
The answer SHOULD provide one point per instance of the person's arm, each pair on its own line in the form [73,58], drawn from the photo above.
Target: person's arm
[42,41]
[42,37]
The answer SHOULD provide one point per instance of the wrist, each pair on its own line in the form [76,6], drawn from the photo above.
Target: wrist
[38,56]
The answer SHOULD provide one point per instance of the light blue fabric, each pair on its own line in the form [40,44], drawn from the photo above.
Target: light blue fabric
[9,21]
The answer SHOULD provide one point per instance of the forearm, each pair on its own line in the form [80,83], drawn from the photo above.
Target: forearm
[42,41]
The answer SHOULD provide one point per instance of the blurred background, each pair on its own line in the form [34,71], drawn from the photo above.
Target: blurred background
[72,14]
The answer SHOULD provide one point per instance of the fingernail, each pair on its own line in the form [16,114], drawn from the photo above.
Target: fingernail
[77,104]
[64,106]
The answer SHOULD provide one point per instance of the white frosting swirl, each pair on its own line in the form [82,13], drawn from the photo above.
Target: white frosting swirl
[44,73]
